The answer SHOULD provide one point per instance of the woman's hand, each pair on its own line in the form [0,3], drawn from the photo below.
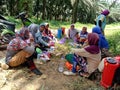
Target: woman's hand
[85,43]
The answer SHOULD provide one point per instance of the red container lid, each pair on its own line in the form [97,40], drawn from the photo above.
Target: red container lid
[117,58]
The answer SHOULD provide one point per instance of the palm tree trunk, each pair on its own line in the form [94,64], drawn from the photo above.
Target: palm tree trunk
[44,6]
[74,12]
[37,3]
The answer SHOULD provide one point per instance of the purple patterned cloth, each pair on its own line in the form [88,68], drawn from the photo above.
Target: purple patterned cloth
[62,41]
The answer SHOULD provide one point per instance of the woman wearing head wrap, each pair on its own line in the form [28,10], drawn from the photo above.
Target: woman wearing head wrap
[37,33]
[103,43]
[72,32]
[101,20]
[47,31]
[19,51]
[83,35]
[40,39]
[92,54]
[33,28]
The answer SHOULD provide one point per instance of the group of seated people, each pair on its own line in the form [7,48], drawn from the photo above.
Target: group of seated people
[76,36]
[22,49]
[88,57]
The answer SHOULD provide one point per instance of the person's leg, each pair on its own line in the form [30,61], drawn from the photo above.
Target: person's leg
[19,58]
[73,72]
[103,32]
[31,65]
[46,39]
[74,65]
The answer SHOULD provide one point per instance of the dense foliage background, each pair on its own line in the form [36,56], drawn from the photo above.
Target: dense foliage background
[84,11]
[60,13]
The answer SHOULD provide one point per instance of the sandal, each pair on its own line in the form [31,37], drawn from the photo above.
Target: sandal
[84,74]
[80,72]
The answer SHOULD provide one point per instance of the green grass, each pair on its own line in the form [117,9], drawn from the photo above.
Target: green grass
[58,24]
[114,41]
[115,25]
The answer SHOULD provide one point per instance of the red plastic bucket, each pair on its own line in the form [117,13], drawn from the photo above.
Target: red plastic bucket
[108,72]
[63,30]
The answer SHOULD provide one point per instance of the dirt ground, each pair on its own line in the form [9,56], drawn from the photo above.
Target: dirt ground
[20,78]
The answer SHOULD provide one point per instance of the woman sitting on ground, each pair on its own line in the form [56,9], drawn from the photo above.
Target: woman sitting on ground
[47,31]
[72,32]
[19,51]
[83,35]
[103,43]
[92,54]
